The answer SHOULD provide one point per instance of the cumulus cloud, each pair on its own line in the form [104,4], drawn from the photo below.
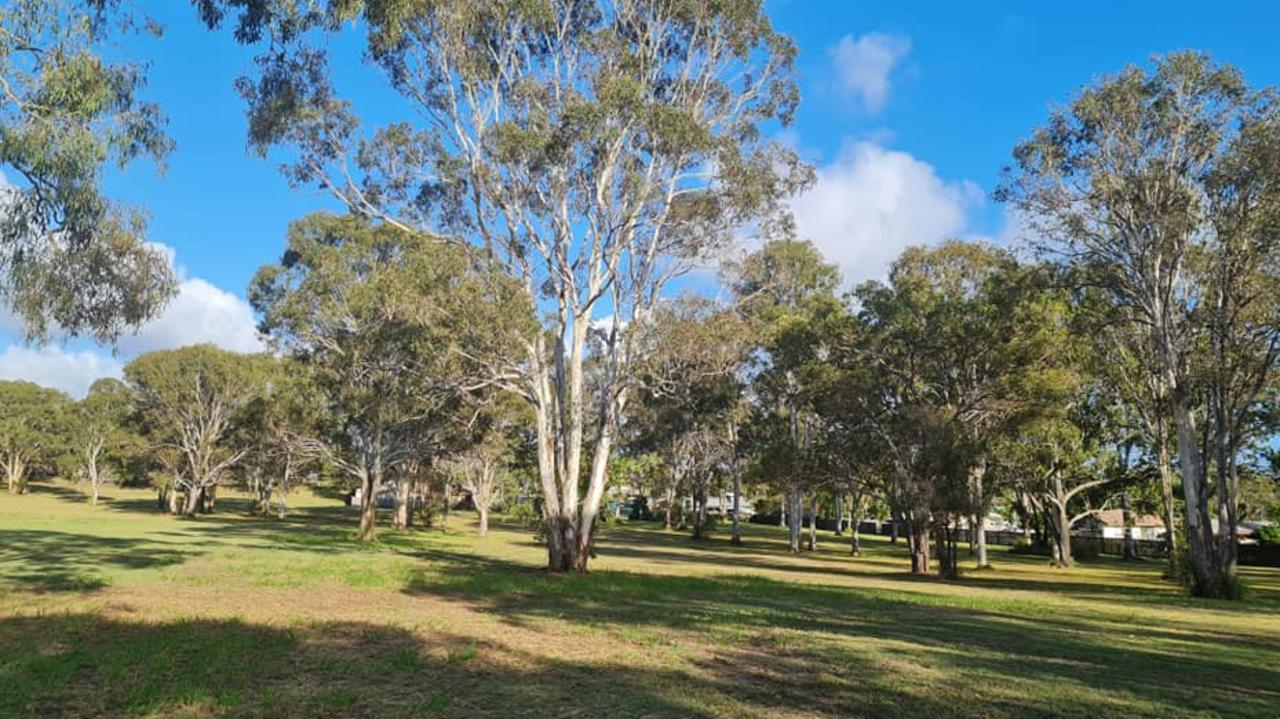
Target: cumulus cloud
[863,65]
[870,203]
[71,372]
[200,313]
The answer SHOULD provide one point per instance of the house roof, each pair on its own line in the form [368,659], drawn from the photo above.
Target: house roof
[1115,518]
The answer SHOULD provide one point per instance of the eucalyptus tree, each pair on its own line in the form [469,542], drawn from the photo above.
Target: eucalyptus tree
[277,430]
[595,150]
[932,378]
[486,461]
[1159,187]
[393,327]
[692,377]
[102,434]
[72,261]
[32,430]
[785,292]
[190,400]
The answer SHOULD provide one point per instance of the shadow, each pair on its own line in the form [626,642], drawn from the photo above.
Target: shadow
[82,665]
[832,650]
[49,561]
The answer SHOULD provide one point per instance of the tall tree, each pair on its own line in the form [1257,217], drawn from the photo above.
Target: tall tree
[102,436]
[1159,186]
[785,291]
[32,430]
[395,328]
[595,150]
[191,400]
[71,260]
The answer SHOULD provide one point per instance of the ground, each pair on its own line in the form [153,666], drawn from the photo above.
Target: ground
[122,611]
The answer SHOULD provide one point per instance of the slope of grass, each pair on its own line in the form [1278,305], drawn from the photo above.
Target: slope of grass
[121,611]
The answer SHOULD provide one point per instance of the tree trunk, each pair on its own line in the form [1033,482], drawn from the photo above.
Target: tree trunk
[979,524]
[369,481]
[1130,547]
[918,543]
[980,537]
[15,469]
[1207,577]
[813,523]
[193,501]
[839,513]
[282,490]
[945,536]
[670,497]
[1062,526]
[483,529]
[404,501]
[736,536]
[795,518]
[1163,464]
[855,520]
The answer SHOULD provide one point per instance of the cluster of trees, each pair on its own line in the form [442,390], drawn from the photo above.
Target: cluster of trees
[497,293]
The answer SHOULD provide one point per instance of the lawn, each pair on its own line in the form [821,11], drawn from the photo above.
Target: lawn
[121,611]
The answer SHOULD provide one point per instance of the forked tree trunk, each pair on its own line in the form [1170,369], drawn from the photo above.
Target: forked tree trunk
[15,470]
[918,542]
[192,504]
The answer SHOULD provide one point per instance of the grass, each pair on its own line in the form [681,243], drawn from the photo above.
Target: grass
[121,611]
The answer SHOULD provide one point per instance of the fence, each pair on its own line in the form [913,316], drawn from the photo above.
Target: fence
[1104,545]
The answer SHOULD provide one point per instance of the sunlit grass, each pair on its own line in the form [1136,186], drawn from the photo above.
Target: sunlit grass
[122,611]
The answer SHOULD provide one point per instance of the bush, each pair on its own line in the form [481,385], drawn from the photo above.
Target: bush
[1269,535]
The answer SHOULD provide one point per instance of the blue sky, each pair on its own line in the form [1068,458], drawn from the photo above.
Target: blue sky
[909,111]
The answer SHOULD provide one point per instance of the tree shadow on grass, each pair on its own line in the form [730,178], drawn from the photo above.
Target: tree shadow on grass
[997,653]
[85,665]
[49,561]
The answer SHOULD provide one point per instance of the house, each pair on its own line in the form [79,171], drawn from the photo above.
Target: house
[1110,522]
[722,505]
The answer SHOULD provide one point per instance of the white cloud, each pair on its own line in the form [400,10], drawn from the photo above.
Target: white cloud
[863,66]
[200,313]
[871,203]
[71,372]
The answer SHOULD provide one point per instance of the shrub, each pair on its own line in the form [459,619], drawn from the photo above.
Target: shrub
[1269,535]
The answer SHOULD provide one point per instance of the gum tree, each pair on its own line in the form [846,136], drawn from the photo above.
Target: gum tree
[594,150]
[72,261]
[191,400]
[1159,187]
[394,328]
[32,429]
[101,436]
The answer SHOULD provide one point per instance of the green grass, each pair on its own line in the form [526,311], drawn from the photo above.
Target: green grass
[121,611]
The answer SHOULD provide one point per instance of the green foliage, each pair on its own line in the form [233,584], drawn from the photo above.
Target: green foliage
[1268,534]
[71,260]
[33,430]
